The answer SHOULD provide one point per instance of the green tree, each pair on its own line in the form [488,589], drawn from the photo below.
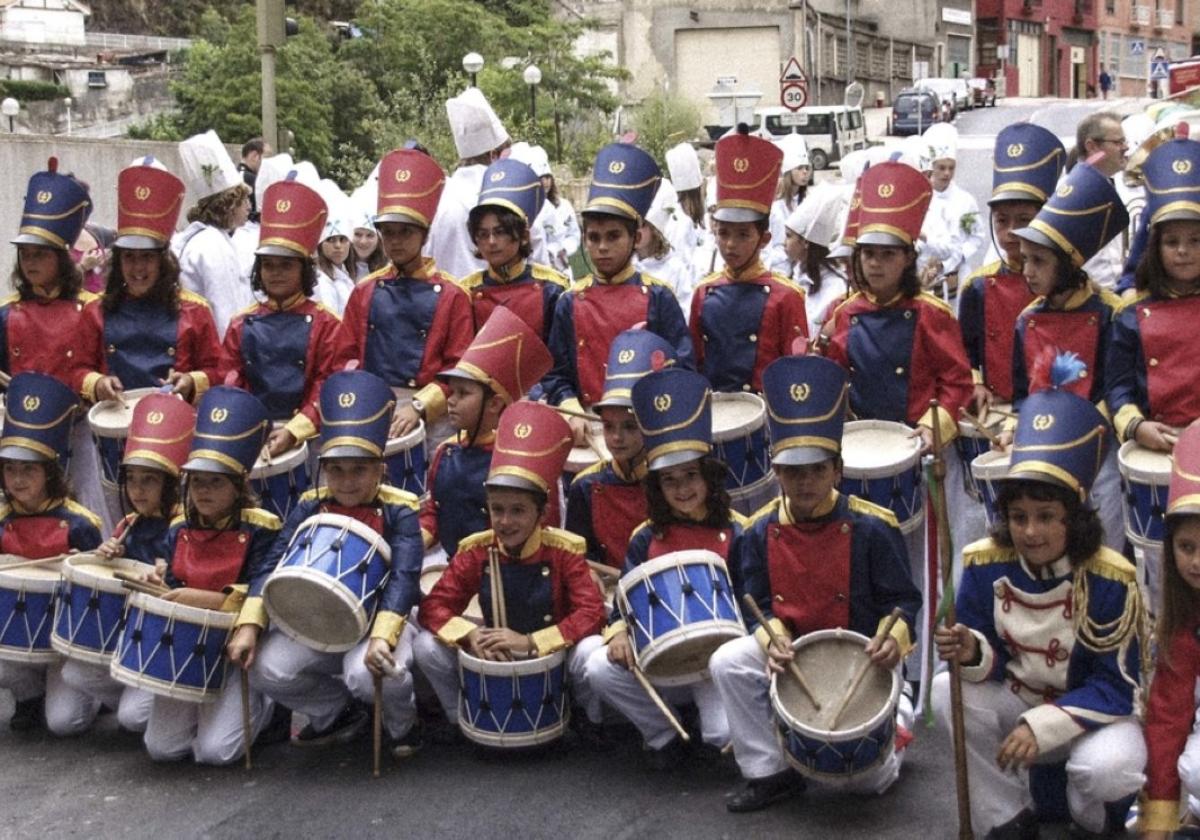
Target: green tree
[663,120]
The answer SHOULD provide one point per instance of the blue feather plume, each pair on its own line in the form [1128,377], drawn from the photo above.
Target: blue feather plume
[1066,368]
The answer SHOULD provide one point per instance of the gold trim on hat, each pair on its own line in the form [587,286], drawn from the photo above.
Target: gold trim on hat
[403,210]
[520,472]
[900,234]
[541,453]
[839,405]
[121,208]
[54,217]
[691,445]
[387,407]
[493,201]
[16,421]
[30,444]
[352,440]
[662,430]
[484,378]
[637,186]
[1021,186]
[1025,167]
[150,455]
[870,208]
[1059,240]
[616,203]
[1174,207]
[220,457]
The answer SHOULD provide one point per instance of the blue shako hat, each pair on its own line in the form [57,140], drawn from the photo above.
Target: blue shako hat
[512,185]
[56,208]
[37,423]
[1082,216]
[231,428]
[1027,162]
[356,411]
[624,181]
[806,408]
[1060,435]
[673,407]
[632,355]
[1172,173]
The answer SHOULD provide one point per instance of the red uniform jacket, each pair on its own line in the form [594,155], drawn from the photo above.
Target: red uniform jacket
[56,337]
[1169,715]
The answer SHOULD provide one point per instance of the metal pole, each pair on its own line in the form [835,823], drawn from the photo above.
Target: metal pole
[270,125]
[474,80]
[849,47]
[533,103]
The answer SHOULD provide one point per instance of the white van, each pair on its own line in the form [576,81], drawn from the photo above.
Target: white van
[831,131]
[955,91]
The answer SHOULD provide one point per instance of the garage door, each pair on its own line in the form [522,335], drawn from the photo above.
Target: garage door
[704,55]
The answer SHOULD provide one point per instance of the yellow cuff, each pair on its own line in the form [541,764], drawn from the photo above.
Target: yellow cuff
[976,376]
[1126,415]
[434,400]
[900,634]
[388,626]
[456,629]
[548,639]
[252,612]
[200,380]
[427,539]
[613,629]
[572,404]
[88,389]
[1158,815]
[764,640]
[949,425]
[301,427]
[235,597]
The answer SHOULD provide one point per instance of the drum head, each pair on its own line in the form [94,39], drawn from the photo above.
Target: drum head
[991,465]
[406,442]
[876,446]
[111,418]
[1145,465]
[829,665]
[582,457]
[309,610]
[280,464]
[734,415]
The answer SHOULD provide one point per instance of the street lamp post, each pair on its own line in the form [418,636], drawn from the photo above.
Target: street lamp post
[68,103]
[533,78]
[10,108]
[472,62]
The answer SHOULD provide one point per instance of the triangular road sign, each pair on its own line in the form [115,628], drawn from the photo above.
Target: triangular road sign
[792,72]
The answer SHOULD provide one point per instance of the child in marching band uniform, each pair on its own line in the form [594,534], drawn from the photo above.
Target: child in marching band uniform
[220,544]
[38,520]
[1048,635]
[279,349]
[689,509]
[356,409]
[503,363]
[745,317]
[550,598]
[499,224]
[616,297]
[812,559]
[1171,740]
[408,322]
[606,500]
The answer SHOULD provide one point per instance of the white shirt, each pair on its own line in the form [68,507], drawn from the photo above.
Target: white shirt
[210,267]
[682,234]
[706,257]
[562,229]
[953,229]
[449,241]
[675,272]
[774,256]
[334,292]
[816,304]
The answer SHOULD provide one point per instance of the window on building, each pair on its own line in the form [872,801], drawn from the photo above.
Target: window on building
[1110,7]
[1178,12]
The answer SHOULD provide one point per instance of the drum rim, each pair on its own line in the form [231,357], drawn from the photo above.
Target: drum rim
[339,520]
[30,656]
[114,432]
[218,619]
[910,460]
[45,585]
[73,571]
[285,463]
[338,589]
[163,688]
[723,628]
[967,429]
[405,442]
[1142,476]
[668,561]
[760,419]
[989,461]
[518,667]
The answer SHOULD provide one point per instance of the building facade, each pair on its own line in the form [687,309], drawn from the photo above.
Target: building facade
[1131,32]
[43,21]
[1039,47]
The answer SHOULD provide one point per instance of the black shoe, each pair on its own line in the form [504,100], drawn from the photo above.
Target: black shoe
[1024,826]
[408,744]
[670,757]
[278,728]
[349,724]
[29,715]
[756,794]
[591,735]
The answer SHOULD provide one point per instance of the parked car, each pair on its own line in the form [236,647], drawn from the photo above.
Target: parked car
[983,91]
[831,131]
[955,91]
[913,111]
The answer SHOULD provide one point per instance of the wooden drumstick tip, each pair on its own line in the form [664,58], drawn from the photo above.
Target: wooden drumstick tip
[649,688]
[979,427]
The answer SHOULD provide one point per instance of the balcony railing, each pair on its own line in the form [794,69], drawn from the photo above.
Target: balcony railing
[1140,15]
[1165,18]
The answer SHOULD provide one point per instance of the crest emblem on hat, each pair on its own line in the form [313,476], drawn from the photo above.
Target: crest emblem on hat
[800,391]
[1064,190]
[208,170]
[1015,150]
[662,402]
[741,165]
[218,415]
[283,205]
[616,167]
[856,202]
[154,418]
[626,356]
[1182,167]
[346,399]
[402,175]
[31,403]
[497,176]
[886,190]
[1042,422]
[142,193]
[44,197]
[523,431]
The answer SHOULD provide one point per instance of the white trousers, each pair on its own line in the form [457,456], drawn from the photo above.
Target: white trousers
[211,732]
[84,472]
[1189,767]
[95,681]
[1108,501]
[616,686]
[1103,766]
[739,671]
[320,684]
[68,710]
[439,663]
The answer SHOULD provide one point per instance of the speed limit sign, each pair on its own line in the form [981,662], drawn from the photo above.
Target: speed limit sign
[793,95]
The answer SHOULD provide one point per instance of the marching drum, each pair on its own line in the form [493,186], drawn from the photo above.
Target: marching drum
[972,443]
[323,591]
[512,704]
[280,482]
[27,612]
[740,441]
[1145,478]
[91,607]
[679,608]
[582,457]
[109,421]
[407,462]
[987,470]
[172,650]
[829,659]
[881,462]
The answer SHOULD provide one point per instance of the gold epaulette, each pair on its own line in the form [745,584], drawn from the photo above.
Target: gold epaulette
[589,470]
[261,518]
[548,274]
[84,296]
[326,309]
[395,496]
[1125,303]
[983,271]
[846,303]
[710,278]
[1109,299]
[985,551]
[79,510]
[581,284]
[178,519]
[1111,565]
[1033,305]
[651,280]
[567,540]
[476,539]
[186,296]
[935,301]
[871,509]
[766,510]
[784,280]
[376,274]
[475,278]
[314,494]
[13,298]
[737,518]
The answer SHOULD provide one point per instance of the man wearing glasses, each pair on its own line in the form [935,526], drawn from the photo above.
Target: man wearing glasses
[1102,132]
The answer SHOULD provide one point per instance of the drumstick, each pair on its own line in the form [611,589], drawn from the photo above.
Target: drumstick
[604,570]
[141,584]
[129,527]
[57,558]
[861,674]
[582,415]
[662,706]
[378,724]
[979,427]
[499,613]
[144,588]
[247,736]
[792,667]
[1001,412]
[4,379]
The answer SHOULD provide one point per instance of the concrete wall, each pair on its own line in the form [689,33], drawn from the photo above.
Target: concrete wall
[57,26]
[127,95]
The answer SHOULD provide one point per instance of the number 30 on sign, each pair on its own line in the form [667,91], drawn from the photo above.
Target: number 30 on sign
[793,96]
